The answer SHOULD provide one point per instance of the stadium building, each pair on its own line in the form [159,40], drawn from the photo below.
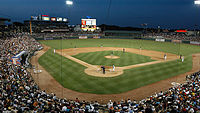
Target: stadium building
[3,26]
[45,23]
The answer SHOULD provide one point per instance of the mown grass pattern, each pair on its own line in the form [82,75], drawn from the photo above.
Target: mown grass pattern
[73,76]
[97,58]
[175,48]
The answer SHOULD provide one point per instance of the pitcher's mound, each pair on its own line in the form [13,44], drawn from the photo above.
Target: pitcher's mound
[97,72]
[112,57]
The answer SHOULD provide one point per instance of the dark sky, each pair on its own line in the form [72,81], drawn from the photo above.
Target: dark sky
[166,13]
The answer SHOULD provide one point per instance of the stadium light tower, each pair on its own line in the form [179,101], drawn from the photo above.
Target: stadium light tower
[197,2]
[69,2]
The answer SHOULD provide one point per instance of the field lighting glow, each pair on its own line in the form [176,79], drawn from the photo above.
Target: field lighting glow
[69,2]
[197,2]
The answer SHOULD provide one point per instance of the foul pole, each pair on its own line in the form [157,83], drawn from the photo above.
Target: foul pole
[30,28]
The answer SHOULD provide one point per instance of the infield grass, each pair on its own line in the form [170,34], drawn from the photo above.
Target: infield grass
[71,74]
[97,58]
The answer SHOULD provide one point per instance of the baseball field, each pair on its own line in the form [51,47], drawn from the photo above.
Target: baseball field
[76,64]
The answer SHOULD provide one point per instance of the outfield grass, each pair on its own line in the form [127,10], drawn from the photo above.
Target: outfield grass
[97,58]
[184,49]
[73,77]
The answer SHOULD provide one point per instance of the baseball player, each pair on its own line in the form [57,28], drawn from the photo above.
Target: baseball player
[165,57]
[103,69]
[113,67]
[182,58]
[54,51]
[123,50]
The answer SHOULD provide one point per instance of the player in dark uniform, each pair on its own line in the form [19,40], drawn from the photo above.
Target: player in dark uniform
[103,68]
[123,50]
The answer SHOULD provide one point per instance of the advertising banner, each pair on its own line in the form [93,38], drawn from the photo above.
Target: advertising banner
[34,17]
[48,38]
[160,40]
[64,19]
[45,18]
[59,19]
[53,18]
[83,37]
[96,37]
[177,41]
[194,43]
[83,22]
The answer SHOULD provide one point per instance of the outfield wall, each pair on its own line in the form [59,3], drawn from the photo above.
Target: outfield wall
[110,37]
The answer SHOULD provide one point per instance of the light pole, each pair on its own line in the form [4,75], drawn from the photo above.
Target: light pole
[197,2]
[69,3]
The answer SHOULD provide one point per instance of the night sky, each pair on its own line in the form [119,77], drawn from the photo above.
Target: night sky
[164,13]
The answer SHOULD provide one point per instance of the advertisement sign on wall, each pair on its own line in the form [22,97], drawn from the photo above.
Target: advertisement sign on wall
[82,37]
[34,17]
[45,18]
[53,18]
[160,40]
[194,43]
[96,37]
[177,41]
[59,19]
[64,19]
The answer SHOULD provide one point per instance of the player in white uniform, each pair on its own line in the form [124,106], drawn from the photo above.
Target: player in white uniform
[165,57]
[182,58]
[113,67]
[54,51]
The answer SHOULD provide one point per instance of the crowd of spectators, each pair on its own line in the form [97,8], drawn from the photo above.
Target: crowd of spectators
[174,36]
[65,35]
[184,98]
[19,92]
